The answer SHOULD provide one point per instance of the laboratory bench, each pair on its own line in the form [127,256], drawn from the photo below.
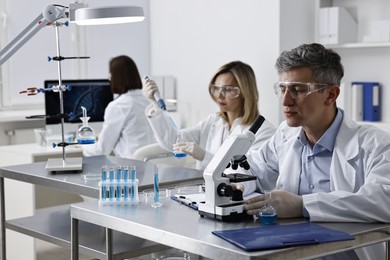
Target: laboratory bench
[53,224]
[178,226]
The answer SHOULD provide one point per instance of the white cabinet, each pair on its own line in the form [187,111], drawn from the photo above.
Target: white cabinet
[363,61]
[335,26]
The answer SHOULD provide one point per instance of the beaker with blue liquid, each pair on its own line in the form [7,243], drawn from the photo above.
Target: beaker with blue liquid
[268,214]
[179,139]
[85,134]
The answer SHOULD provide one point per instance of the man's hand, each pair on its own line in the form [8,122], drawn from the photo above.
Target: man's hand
[286,204]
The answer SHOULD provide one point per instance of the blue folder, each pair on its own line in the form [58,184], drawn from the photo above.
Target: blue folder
[281,236]
[371,100]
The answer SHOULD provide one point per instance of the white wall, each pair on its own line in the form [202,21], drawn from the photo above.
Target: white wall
[29,67]
[192,39]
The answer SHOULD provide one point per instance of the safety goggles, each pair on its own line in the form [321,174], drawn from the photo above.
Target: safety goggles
[228,92]
[298,90]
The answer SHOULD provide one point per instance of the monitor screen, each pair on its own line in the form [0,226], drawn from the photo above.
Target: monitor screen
[93,94]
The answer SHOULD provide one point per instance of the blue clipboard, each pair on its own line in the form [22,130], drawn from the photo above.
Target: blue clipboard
[281,236]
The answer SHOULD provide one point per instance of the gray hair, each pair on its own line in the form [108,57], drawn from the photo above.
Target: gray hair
[324,63]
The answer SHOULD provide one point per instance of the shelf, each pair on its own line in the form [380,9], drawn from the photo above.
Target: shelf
[53,225]
[359,45]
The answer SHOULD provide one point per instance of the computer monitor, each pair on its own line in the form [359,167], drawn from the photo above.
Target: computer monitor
[93,94]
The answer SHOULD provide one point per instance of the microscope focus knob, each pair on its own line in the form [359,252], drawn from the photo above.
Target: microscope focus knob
[224,190]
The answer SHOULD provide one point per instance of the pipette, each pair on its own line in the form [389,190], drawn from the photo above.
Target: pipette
[158,98]
[162,105]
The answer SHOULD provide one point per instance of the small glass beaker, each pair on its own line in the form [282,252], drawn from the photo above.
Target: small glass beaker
[85,135]
[179,139]
[268,214]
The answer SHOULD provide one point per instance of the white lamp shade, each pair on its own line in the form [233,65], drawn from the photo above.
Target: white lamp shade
[109,15]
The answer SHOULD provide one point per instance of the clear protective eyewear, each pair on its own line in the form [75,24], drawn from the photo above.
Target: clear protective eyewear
[228,92]
[298,89]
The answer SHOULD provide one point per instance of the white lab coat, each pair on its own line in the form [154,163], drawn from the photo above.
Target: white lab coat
[359,173]
[125,127]
[209,134]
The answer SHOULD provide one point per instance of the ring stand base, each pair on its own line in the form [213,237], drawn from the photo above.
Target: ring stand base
[60,165]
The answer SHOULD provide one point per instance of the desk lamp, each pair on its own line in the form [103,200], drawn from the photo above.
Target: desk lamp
[81,15]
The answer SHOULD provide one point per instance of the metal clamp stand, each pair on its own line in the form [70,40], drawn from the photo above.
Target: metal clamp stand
[62,164]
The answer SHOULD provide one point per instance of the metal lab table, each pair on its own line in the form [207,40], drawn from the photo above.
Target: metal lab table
[176,225]
[53,224]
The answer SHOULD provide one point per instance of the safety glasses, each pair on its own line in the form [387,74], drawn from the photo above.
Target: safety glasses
[298,90]
[228,92]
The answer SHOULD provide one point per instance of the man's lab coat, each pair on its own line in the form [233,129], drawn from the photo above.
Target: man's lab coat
[359,173]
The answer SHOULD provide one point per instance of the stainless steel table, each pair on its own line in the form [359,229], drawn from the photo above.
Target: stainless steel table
[53,224]
[178,226]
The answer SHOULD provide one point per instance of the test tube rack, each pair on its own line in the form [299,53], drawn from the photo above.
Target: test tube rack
[119,186]
[123,192]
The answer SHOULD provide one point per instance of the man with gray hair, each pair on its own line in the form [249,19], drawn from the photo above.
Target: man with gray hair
[327,167]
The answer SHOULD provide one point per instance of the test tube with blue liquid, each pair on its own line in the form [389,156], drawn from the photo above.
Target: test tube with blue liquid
[156,203]
[126,183]
[104,179]
[111,185]
[118,194]
[133,180]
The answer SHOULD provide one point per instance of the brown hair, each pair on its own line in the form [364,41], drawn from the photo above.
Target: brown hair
[124,75]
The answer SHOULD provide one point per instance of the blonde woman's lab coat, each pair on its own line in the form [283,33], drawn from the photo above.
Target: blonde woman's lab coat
[359,173]
[209,134]
[125,127]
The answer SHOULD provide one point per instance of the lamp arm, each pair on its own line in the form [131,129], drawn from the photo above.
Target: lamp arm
[22,38]
[50,14]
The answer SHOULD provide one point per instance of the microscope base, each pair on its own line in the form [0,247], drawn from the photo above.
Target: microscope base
[228,213]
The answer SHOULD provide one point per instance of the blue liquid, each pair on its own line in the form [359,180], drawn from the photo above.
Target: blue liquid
[86,141]
[268,219]
[179,155]
[112,188]
[104,178]
[126,185]
[118,186]
[133,178]
[156,188]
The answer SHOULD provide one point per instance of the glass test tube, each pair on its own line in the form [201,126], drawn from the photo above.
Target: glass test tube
[126,183]
[103,183]
[156,202]
[111,185]
[118,193]
[133,180]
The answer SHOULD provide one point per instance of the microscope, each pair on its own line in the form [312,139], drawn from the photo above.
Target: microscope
[221,201]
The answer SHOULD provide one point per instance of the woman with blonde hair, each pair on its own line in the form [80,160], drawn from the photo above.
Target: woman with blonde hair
[234,89]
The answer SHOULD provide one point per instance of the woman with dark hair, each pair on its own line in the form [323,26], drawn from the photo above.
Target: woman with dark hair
[233,88]
[125,127]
